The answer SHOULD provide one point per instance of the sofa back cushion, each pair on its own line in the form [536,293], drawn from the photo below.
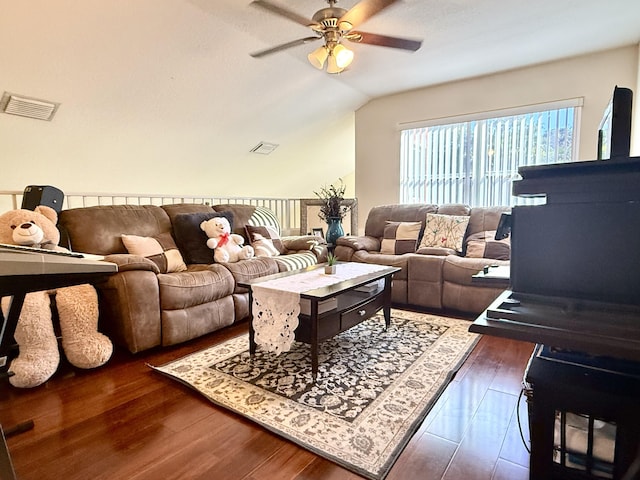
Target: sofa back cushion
[255,216]
[454,209]
[191,239]
[380,215]
[483,219]
[98,229]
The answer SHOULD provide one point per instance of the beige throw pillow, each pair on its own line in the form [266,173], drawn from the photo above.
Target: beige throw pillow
[400,237]
[444,231]
[161,250]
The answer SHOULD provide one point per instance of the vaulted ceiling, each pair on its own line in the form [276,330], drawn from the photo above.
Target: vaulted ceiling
[137,67]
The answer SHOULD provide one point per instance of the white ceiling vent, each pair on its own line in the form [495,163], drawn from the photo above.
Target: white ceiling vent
[264,148]
[28,107]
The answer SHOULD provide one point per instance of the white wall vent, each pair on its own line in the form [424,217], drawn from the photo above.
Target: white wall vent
[264,148]
[28,107]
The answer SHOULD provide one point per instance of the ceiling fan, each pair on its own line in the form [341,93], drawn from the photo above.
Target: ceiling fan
[334,24]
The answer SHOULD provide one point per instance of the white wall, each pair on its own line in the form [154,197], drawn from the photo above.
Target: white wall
[592,77]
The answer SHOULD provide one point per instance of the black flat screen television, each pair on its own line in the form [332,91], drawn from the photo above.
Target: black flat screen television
[614,134]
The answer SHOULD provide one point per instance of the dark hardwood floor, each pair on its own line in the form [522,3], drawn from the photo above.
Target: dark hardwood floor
[125,421]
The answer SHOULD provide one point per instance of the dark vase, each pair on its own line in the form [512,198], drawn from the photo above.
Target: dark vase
[334,230]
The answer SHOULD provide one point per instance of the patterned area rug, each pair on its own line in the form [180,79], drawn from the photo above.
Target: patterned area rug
[374,387]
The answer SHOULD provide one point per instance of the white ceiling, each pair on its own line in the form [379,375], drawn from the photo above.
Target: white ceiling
[461,38]
[128,69]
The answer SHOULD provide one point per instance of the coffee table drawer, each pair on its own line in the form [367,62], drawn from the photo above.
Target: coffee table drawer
[360,313]
[328,327]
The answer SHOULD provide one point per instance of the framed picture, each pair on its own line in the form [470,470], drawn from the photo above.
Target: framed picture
[318,232]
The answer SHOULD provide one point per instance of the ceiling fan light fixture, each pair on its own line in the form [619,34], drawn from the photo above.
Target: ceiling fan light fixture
[318,57]
[343,56]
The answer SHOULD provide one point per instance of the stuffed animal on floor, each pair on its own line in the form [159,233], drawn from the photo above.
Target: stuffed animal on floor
[227,247]
[264,247]
[77,307]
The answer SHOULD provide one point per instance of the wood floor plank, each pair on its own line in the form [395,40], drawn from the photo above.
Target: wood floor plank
[510,471]
[480,447]
[125,420]
[514,448]
[428,454]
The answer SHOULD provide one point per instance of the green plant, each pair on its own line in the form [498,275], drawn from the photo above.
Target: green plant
[331,259]
[332,198]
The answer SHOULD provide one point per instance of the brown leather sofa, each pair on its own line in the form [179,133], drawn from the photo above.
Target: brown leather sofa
[141,307]
[431,278]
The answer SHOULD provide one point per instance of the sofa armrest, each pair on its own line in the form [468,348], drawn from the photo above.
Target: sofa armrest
[438,251]
[127,262]
[300,243]
[370,244]
[306,243]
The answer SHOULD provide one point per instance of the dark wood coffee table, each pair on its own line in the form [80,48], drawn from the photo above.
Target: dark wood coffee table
[353,306]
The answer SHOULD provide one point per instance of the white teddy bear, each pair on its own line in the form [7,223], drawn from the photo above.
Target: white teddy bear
[227,247]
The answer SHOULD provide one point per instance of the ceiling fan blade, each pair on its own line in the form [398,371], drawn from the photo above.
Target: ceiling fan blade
[284,12]
[284,46]
[362,11]
[384,40]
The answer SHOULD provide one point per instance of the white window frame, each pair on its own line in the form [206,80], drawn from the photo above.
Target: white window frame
[469,180]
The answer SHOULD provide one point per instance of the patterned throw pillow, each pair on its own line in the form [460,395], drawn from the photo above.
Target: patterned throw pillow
[484,245]
[267,232]
[400,237]
[445,231]
[161,250]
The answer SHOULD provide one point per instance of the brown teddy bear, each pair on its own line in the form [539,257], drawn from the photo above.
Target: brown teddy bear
[77,306]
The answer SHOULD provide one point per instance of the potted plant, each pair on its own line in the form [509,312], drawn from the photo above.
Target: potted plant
[332,210]
[330,267]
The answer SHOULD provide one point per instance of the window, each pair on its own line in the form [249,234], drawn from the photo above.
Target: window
[476,160]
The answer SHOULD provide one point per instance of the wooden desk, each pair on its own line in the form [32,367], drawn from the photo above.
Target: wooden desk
[24,272]
[590,327]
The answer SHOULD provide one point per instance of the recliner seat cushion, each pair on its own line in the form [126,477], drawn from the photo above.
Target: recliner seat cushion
[196,286]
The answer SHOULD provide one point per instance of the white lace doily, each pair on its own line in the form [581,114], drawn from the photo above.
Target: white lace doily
[276,303]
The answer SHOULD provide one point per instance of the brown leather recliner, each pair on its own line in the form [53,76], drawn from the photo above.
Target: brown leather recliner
[141,307]
[434,278]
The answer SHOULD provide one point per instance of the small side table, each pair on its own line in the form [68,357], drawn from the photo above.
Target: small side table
[494,276]
[599,390]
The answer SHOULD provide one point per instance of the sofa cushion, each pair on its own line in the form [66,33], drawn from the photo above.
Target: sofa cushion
[160,249]
[298,243]
[249,269]
[190,238]
[268,233]
[296,261]
[197,285]
[98,229]
[400,237]
[445,231]
[249,215]
[375,224]
[484,245]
